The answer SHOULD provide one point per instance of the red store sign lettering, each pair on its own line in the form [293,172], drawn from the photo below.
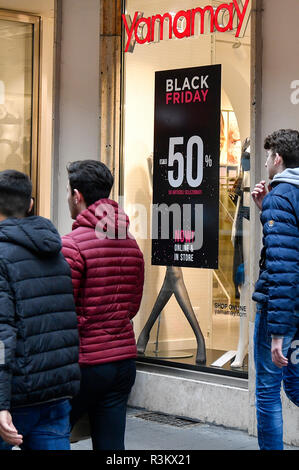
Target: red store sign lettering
[186,23]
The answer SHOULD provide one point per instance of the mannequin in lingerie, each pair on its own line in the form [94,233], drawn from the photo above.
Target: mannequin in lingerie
[240,238]
[173,284]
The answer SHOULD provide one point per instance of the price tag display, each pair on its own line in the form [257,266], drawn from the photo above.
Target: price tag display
[185,218]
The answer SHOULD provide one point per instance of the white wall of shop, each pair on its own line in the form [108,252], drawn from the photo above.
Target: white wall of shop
[78,125]
[280,65]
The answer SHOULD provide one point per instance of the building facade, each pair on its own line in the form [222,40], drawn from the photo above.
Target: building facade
[80,79]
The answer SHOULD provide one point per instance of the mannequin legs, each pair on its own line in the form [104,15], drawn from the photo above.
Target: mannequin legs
[244,301]
[185,304]
[174,284]
[162,299]
[243,343]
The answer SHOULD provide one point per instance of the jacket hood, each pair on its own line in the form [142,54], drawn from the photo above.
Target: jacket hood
[290,175]
[106,217]
[37,234]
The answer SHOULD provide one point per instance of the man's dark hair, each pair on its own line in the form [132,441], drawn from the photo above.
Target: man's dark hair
[91,178]
[285,142]
[15,193]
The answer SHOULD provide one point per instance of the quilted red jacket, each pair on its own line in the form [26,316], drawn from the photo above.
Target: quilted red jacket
[108,275]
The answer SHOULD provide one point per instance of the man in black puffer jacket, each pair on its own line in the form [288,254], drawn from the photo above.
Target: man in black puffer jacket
[39,342]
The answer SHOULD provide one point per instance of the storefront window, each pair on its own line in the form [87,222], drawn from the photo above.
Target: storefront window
[18,92]
[184,309]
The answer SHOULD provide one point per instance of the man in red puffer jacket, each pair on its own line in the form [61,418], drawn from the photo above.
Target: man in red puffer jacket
[108,275]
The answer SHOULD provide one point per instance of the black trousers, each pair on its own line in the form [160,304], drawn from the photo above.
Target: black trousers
[104,395]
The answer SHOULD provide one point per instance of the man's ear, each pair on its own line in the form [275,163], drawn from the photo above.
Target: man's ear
[78,197]
[30,211]
[31,206]
[278,160]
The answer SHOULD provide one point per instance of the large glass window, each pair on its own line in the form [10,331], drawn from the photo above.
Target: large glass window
[181,304]
[19,53]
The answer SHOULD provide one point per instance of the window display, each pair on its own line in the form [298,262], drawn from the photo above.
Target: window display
[19,72]
[205,323]
[15,106]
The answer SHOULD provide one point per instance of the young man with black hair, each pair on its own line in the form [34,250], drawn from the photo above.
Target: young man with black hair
[276,338]
[39,369]
[108,273]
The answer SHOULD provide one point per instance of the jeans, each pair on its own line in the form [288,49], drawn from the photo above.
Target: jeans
[268,383]
[43,427]
[104,395]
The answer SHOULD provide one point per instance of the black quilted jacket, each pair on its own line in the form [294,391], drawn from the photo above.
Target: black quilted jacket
[38,323]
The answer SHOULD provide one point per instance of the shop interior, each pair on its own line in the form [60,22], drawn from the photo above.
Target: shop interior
[219,303]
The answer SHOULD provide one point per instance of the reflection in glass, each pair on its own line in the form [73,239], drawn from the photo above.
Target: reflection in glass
[16,48]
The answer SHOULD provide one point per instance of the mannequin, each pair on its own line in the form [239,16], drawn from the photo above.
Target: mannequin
[173,284]
[240,238]
[10,136]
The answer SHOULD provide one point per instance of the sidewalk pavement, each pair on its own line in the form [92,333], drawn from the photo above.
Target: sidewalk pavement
[144,434]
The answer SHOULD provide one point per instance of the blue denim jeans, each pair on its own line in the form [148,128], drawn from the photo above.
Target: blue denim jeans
[268,383]
[43,427]
[103,395]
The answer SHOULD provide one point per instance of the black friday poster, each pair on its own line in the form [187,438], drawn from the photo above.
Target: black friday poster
[185,217]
